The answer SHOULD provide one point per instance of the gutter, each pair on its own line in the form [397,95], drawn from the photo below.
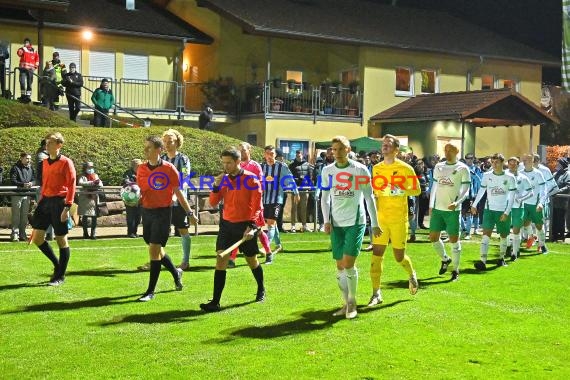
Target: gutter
[111,31]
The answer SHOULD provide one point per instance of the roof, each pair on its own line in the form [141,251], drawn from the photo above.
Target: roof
[112,17]
[368,23]
[482,108]
[60,5]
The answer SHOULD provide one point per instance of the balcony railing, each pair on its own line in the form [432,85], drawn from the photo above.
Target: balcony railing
[271,97]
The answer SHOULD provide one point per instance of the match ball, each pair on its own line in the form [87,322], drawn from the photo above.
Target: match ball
[131,195]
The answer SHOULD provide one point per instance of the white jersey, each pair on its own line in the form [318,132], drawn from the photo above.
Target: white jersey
[449,179]
[549,181]
[500,190]
[538,187]
[524,189]
[344,196]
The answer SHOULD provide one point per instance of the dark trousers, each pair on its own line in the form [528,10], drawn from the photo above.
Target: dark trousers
[280,217]
[2,78]
[101,120]
[133,219]
[423,208]
[26,80]
[74,106]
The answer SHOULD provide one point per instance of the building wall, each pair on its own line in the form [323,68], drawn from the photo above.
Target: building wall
[379,86]
[422,135]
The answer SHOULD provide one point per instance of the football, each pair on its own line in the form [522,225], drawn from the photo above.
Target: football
[131,195]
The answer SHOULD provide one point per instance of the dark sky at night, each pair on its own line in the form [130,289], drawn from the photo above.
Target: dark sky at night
[536,23]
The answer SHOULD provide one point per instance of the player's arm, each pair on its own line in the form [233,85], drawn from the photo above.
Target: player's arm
[217,192]
[412,184]
[70,180]
[290,185]
[432,194]
[371,207]
[182,201]
[254,191]
[480,193]
[527,194]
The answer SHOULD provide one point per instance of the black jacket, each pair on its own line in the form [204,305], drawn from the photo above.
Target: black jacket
[4,55]
[20,174]
[73,83]
[302,172]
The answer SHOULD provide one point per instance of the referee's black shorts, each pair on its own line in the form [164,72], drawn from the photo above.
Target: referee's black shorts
[156,225]
[48,213]
[231,233]
[179,217]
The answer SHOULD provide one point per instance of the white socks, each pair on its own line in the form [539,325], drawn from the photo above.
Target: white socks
[342,284]
[440,249]
[456,255]
[484,248]
[352,282]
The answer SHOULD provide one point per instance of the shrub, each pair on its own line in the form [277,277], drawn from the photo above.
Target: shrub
[23,126]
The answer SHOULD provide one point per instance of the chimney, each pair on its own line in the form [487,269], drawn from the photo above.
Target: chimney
[130,5]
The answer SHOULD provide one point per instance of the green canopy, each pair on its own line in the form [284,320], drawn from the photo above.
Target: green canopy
[367,144]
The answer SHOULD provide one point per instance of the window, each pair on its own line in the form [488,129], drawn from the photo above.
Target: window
[135,67]
[404,81]
[348,76]
[487,82]
[289,147]
[101,64]
[67,56]
[297,76]
[508,83]
[252,139]
[430,83]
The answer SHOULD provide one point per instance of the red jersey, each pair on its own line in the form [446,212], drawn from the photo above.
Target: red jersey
[58,178]
[241,195]
[29,58]
[157,184]
[252,166]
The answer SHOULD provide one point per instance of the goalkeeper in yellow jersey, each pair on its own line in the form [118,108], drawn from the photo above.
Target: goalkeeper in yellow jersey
[393,181]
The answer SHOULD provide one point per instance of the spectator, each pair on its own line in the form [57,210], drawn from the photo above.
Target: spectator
[29,61]
[88,199]
[319,165]
[59,71]
[4,55]
[469,220]
[103,100]
[302,172]
[134,213]
[73,82]
[22,176]
[48,87]
[423,198]
[206,117]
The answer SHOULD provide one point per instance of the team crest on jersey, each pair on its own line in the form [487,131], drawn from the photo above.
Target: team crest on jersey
[445,181]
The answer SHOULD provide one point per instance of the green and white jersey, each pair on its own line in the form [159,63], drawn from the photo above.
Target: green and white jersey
[538,187]
[523,191]
[549,181]
[344,195]
[450,182]
[500,188]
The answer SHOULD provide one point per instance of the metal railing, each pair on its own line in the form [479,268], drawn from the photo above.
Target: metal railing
[270,97]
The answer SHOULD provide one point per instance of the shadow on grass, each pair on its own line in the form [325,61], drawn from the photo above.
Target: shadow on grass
[102,272]
[306,322]
[171,316]
[74,305]
[20,286]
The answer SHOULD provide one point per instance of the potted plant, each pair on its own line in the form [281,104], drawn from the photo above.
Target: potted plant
[354,86]
[336,86]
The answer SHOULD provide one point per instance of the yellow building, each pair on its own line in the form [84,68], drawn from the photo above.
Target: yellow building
[292,55]
[286,73]
[138,49]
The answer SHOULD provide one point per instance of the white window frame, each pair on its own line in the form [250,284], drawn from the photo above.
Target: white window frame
[411,91]
[499,83]
[98,75]
[436,79]
[68,51]
[138,70]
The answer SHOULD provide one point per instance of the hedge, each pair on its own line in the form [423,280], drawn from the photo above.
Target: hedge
[112,149]
[15,114]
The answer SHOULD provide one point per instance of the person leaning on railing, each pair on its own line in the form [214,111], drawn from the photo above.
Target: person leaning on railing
[4,55]
[103,100]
